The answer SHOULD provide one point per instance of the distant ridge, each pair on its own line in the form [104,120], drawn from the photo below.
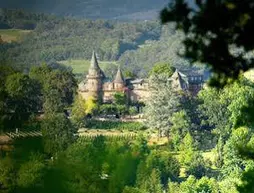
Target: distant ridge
[94,9]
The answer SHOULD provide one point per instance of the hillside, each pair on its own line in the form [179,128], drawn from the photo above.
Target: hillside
[109,9]
[62,38]
[133,45]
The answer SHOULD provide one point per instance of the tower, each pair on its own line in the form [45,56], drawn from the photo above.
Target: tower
[179,81]
[119,80]
[95,78]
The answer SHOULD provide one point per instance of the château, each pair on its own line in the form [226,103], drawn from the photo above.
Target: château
[137,90]
[97,85]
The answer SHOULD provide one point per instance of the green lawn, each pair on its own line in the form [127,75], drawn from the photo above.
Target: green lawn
[81,66]
[9,35]
[250,75]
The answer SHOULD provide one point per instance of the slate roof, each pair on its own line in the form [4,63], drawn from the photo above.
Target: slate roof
[94,62]
[119,76]
[181,78]
[94,66]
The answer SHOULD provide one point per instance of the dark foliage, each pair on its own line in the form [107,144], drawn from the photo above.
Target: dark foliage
[219,33]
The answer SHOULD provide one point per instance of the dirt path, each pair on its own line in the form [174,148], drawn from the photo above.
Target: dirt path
[4,139]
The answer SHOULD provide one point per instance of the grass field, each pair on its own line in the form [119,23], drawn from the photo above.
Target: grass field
[10,35]
[81,66]
[250,75]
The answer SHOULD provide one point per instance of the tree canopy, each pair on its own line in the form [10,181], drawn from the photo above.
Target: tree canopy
[218,33]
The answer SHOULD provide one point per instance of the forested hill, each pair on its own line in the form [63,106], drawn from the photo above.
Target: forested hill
[103,9]
[137,46]
[60,38]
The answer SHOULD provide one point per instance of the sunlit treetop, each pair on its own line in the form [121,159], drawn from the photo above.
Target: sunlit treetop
[218,33]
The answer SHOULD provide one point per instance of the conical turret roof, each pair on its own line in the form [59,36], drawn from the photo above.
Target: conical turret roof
[119,76]
[179,78]
[95,69]
[94,62]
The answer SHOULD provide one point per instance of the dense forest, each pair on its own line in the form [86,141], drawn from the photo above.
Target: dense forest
[201,153]
[55,39]
[185,143]
[165,50]
[137,46]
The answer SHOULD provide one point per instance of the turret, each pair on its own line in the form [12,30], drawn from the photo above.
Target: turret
[94,69]
[95,78]
[119,82]
[179,81]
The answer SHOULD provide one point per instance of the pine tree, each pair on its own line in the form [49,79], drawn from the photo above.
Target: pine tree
[187,150]
[161,105]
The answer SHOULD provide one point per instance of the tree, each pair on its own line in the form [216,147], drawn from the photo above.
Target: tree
[241,96]
[120,98]
[192,185]
[191,158]
[197,166]
[187,150]
[161,161]
[129,74]
[162,104]
[91,105]
[219,153]
[107,109]
[180,126]
[246,184]
[120,102]
[31,173]
[58,133]
[227,108]
[23,97]
[153,183]
[78,110]
[122,174]
[162,68]
[207,185]
[214,111]
[52,102]
[58,87]
[215,32]
[5,71]
[7,175]
[229,185]
[233,164]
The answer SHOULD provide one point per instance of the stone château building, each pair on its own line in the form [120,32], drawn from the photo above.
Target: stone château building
[191,82]
[97,85]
